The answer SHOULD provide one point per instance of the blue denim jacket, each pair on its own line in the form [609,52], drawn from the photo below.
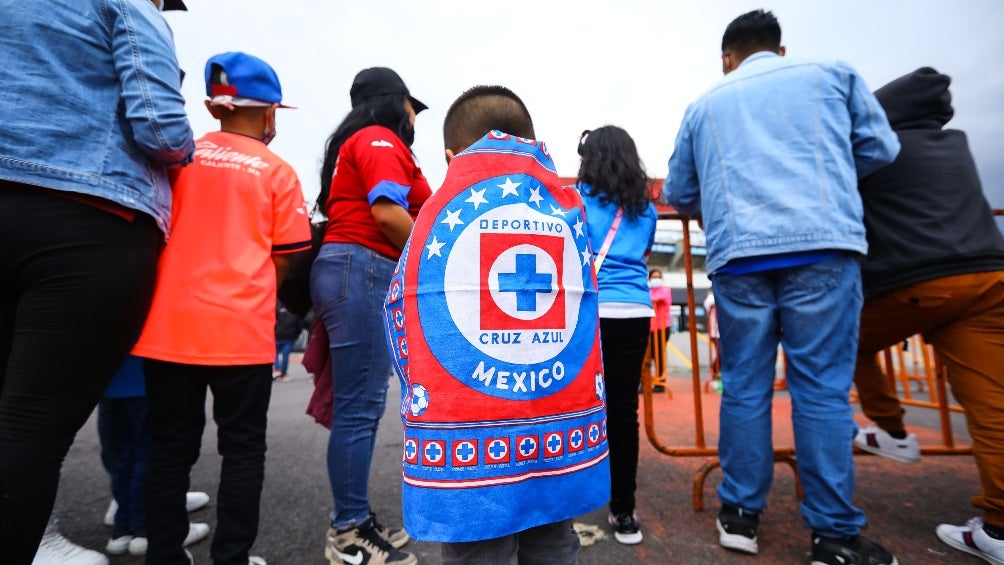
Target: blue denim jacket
[770,157]
[90,100]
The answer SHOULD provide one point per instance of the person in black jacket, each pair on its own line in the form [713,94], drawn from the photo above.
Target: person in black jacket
[935,266]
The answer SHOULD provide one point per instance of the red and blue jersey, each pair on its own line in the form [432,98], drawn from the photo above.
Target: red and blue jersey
[372,163]
[492,322]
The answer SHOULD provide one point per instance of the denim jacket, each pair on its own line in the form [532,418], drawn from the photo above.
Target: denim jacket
[90,100]
[770,157]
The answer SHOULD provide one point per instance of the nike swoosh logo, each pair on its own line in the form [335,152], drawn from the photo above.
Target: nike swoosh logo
[381,143]
[350,559]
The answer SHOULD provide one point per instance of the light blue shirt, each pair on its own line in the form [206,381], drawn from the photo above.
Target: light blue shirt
[623,275]
[771,154]
[90,100]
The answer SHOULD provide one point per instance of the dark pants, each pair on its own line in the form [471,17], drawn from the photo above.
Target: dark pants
[623,343]
[177,397]
[75,287]
[550,544]
[128,418]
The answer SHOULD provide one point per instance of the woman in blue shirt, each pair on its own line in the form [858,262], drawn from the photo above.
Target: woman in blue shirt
[621,221]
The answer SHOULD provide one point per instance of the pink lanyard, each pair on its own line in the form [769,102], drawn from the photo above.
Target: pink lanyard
[598,262]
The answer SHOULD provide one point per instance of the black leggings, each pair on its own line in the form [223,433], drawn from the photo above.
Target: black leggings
[623,343]
[75,286]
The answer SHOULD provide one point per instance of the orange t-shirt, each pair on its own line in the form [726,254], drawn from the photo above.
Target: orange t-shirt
[234,206]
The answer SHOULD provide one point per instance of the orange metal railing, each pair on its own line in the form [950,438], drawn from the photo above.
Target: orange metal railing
[700,447]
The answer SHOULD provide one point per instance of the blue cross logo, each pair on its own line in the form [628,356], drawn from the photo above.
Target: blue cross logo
[465,451]
[526,282]
[497,449]
[527,446]
[594,433]
[410,449]
[576,438]
[554,443]
[433,452]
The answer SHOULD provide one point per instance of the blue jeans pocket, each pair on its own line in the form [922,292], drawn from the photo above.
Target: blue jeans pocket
[329,279]
[818,277]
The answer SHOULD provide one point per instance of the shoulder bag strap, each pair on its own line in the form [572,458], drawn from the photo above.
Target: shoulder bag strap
[598,262]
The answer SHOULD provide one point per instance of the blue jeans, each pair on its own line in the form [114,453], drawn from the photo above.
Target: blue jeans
[283,347]
[818,307]
[348,285]
[129,421]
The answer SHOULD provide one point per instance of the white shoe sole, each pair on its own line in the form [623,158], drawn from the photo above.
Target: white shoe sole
[628,539]
[736,541]
[887,454]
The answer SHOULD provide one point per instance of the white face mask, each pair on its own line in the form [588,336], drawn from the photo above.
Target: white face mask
[655,283]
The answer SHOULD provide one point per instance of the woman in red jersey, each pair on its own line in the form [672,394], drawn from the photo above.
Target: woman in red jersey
[374,190]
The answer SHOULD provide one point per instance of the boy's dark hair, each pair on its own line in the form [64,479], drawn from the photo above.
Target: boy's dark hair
[482,109]
[613,169]
[385,110]
[751,32]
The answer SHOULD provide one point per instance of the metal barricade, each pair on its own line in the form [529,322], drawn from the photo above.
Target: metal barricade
[932,377]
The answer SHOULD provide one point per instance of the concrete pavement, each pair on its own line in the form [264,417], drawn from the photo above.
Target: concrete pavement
[904,503]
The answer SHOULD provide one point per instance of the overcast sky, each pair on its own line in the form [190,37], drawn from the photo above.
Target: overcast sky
[580,64]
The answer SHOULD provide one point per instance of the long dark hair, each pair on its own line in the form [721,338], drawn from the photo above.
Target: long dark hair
[611,165]
[385,110]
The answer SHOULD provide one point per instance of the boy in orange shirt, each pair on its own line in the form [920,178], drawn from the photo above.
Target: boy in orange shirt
[238,212]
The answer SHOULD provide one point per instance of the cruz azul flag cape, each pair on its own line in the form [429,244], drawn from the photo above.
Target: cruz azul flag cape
[493,325]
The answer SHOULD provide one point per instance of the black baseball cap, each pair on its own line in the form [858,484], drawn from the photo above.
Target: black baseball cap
[174,5]
[380,80]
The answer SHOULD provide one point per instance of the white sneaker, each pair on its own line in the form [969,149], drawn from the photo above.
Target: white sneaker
[137,546]
[255,560]
[118,546]
[196,533]
[973,540]
[113,508]
[55,549]
[878,441]
[193,501]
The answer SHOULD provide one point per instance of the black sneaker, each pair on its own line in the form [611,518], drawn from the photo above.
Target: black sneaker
[397,537]
[858,551]
[737,529]
[626,529]
[363,545]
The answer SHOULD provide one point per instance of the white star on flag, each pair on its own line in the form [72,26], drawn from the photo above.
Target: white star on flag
[557,211]
[509,187]
[453,219]
[434,248]
[535,196]
[578,227]
[585,257]
[477,197]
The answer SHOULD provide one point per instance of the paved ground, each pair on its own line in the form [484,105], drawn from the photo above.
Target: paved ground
[904,503]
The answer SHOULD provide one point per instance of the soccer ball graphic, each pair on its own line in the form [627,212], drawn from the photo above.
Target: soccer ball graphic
[419,400]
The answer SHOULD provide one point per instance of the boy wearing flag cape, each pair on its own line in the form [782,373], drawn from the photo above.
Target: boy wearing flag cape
[492,323]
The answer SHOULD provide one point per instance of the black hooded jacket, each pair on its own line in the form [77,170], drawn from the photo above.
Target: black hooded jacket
[925,214]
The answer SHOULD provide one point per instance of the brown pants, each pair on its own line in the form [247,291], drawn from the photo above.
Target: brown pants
[963,318]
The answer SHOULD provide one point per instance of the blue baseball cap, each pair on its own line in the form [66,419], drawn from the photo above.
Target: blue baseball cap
[244,80]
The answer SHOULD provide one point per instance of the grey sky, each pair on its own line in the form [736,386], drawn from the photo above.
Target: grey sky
[580,64]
